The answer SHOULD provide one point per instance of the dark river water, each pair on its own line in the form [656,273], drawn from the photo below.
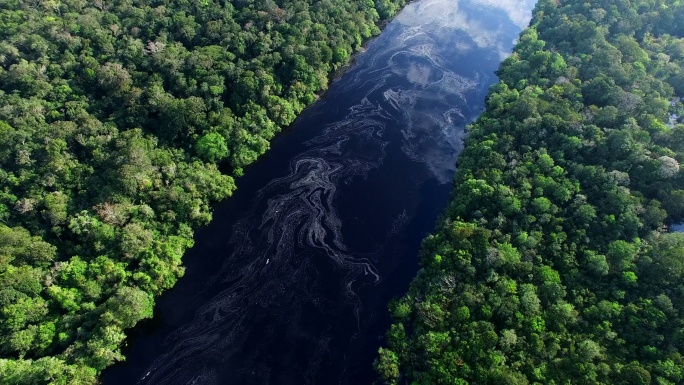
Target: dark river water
[290,282]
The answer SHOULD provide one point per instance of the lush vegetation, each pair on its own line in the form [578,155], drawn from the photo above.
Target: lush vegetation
[552,263]
[114,117]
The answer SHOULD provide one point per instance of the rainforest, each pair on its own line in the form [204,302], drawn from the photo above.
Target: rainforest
[123,123]
[553,263]
[120,122]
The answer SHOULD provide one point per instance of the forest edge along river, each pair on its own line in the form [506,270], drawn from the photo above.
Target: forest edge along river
[290,282]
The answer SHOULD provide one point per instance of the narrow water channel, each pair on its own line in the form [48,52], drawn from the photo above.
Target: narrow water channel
[290,282]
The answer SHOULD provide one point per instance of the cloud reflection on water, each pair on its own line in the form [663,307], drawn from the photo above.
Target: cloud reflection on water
[449,15]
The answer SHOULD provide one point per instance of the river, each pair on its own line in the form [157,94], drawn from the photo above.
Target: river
[290,282]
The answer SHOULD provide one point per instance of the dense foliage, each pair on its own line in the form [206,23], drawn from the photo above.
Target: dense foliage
[113,118]
[552,263]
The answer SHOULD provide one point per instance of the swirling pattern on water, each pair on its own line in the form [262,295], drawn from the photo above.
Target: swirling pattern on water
[291,301]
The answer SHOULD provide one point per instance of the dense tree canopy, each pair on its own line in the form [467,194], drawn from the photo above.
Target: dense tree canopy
[114,117]
[553,264]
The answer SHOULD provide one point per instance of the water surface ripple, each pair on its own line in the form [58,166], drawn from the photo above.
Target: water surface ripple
[289,283]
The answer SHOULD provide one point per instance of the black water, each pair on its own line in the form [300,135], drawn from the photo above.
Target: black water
[290,282]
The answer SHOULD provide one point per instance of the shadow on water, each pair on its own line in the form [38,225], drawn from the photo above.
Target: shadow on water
[289,284]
